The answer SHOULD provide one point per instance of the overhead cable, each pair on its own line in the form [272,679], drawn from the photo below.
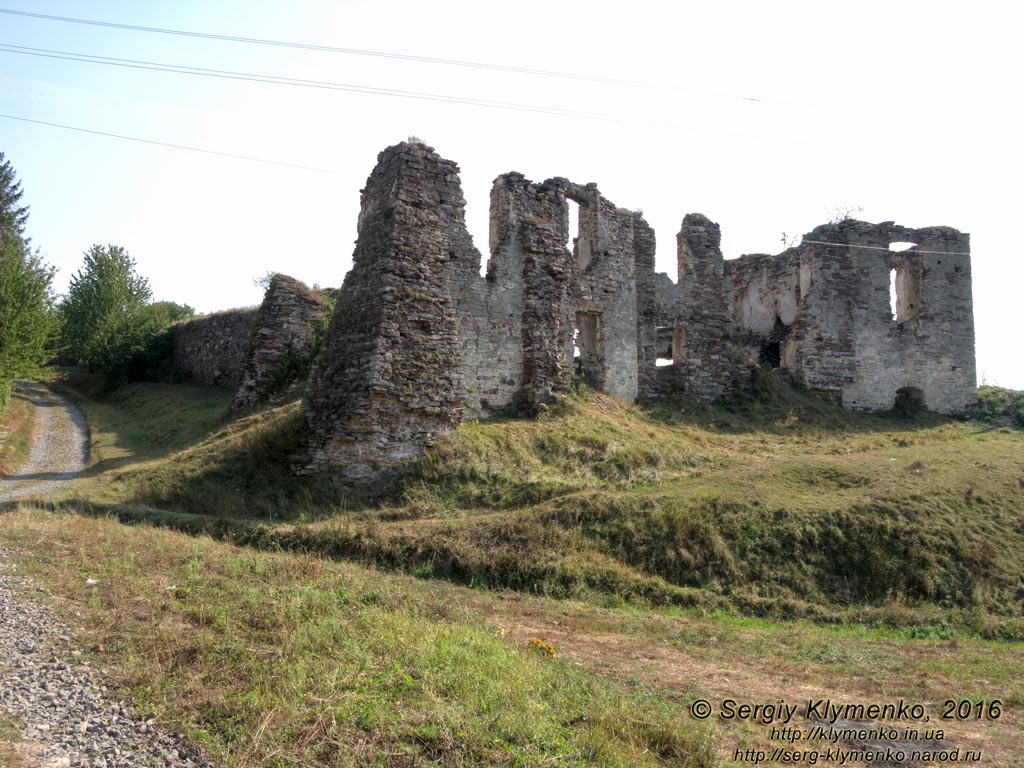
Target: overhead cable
[375,91]
[379,54]
[178,146]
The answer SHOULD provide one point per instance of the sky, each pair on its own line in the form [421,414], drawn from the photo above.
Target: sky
[769,118]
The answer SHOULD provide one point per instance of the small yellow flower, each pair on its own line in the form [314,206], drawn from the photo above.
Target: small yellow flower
[540,645]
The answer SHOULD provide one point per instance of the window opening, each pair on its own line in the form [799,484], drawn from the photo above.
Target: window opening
[590,362]
[771,352]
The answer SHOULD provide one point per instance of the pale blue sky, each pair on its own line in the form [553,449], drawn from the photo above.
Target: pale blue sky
[908,110]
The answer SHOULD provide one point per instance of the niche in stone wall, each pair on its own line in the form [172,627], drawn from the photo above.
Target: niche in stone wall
[588,339]
[905,281]
[908,400]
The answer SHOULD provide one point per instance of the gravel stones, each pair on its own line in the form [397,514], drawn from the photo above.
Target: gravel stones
[68,714]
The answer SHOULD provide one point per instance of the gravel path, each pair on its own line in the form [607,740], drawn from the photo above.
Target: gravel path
[70,718]
[59,452]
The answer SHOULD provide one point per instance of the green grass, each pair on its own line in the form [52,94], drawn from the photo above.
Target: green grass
[285,660]
[997,405]
[669,551]
[775,504]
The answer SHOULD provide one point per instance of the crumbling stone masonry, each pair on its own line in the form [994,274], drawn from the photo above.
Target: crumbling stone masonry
[212,349]
[285,325]
[420,339]
[823,310]
[244,348]
[389,377]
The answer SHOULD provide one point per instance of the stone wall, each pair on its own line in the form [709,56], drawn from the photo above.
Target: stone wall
[212,349]
[925,349]
[823,310]
[285,325]
[388,380]
[420,339]
[701,364]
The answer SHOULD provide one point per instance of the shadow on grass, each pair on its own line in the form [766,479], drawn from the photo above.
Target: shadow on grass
[774,402]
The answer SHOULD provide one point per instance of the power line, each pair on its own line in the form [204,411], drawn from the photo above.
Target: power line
[178,146]
[382,54]
[325,85]
[369,90]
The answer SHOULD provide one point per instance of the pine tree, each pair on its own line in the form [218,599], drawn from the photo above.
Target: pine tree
[12,217]
[27,316]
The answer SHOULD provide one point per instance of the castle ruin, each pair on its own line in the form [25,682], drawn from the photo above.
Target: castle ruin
[420,339]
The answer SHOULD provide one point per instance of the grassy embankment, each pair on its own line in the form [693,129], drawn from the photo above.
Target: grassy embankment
[778,505]
[16,433]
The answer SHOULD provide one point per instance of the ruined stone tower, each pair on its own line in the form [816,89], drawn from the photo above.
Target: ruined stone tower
[420,338]
[389,380]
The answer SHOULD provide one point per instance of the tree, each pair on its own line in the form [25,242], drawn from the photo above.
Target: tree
[27,319]
[105,316]
[12,217]
[27,316]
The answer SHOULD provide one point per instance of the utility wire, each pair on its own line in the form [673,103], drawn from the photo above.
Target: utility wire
[322,84]
[381,54]
[370,90]
[178,146]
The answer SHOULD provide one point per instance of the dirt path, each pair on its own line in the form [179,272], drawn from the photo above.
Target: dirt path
[695,673]
[60,449]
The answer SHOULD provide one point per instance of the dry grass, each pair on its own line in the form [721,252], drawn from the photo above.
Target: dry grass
[16,433]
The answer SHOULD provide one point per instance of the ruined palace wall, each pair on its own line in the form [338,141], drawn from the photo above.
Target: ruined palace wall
[701,359]
[212,349]
[647,308]
[826,304]
[928,345]
[770,303]
[604,291]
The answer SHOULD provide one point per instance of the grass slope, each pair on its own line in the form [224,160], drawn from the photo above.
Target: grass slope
[777,504]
